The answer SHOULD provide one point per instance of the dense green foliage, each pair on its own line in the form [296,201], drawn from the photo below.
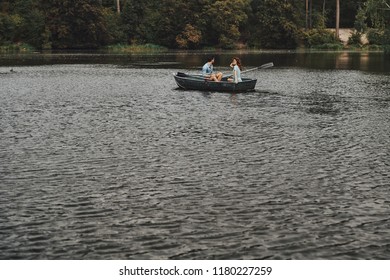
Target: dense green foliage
[192,24]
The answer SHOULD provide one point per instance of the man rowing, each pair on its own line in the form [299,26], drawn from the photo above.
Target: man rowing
[208,71]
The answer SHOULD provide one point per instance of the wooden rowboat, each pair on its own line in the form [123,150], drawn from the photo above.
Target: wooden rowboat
[198,82]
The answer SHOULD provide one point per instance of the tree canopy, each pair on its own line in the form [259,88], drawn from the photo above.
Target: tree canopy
[181,23]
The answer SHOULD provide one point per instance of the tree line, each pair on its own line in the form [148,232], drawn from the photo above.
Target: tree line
[187,24]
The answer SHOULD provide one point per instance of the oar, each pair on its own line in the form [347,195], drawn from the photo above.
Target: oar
[264,66]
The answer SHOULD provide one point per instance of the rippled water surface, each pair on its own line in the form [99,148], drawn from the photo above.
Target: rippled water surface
[103,161]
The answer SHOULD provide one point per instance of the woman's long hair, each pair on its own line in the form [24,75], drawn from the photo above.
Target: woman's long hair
[238,62]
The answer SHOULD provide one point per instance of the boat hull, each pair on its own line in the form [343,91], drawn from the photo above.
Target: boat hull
[193,82]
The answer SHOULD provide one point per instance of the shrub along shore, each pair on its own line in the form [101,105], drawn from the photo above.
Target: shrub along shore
[315,40]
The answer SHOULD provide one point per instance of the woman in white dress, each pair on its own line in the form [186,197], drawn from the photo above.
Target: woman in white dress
[236,65]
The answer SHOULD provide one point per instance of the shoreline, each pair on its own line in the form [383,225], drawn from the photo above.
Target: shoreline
[104,51]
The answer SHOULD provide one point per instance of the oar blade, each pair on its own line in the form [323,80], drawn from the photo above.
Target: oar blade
[267,65]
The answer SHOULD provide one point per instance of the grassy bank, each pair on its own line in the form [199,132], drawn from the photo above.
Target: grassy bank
[16,48]
[354,47]
[121,48]
[151,48]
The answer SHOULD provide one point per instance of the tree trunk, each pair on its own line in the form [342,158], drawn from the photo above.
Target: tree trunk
[323,9]
[337,19]
[307,14]
[118,7]
[311,14]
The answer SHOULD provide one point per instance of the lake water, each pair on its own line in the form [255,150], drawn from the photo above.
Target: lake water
[102,157]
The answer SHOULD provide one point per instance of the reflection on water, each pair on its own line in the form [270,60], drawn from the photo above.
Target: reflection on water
[113,162]
[366,61]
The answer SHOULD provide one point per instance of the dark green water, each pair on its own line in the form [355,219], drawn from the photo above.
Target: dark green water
[365,61]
